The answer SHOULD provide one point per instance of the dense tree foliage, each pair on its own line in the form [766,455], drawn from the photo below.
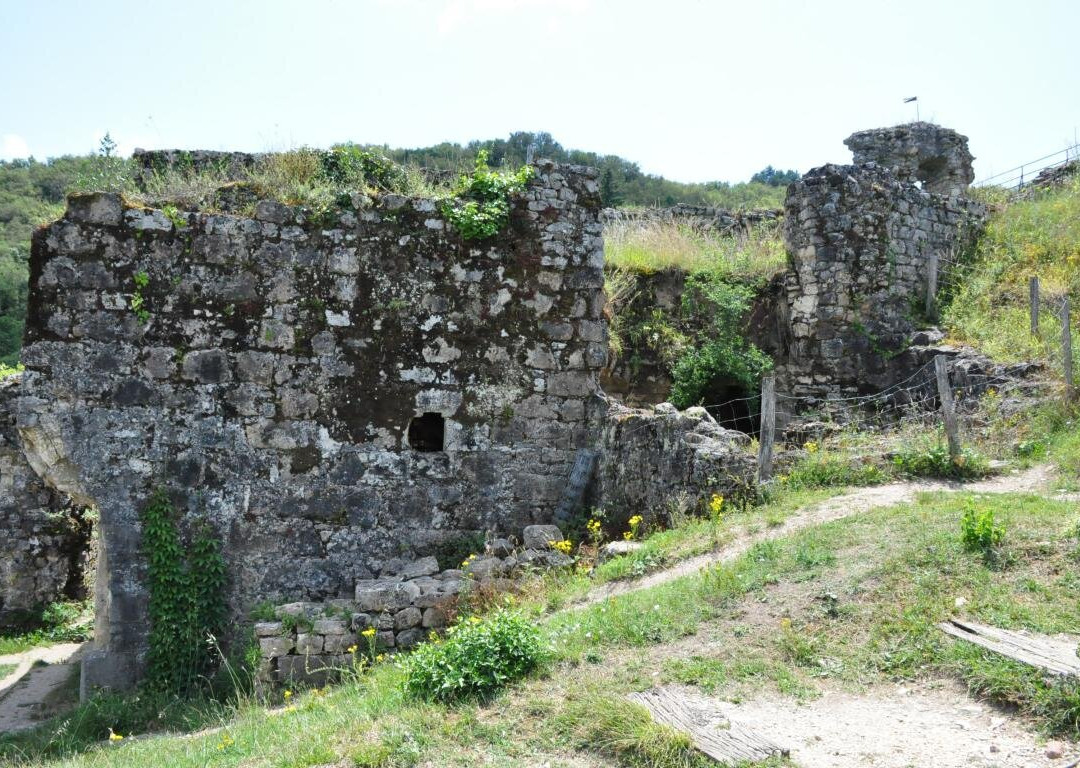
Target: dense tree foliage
[622,182]
[774,177]
[32,193]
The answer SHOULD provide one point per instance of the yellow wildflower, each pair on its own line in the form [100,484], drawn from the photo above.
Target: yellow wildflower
[351,649]
[634,523]
[810,446]
[287,695]
[369,632]
[716,503]
[785,623]
[565,546]
[474,619]
[380,658]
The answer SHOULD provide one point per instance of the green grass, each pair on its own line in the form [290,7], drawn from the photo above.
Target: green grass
[653,246]
[858,602]
[988,307]
[7,669]
[64,622]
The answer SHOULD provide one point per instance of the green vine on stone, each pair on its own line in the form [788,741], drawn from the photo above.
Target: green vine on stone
[187,606]
[138,300]
[481,206]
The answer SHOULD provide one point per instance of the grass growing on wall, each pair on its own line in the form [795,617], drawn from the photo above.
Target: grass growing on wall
[656,245]
[1034,237]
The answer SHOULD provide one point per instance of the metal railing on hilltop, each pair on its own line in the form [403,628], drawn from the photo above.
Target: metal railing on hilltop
[1029,173]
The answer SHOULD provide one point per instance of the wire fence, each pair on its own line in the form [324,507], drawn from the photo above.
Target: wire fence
[1032,171]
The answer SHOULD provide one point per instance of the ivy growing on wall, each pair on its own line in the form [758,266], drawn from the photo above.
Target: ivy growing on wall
[187,605]
[480,207]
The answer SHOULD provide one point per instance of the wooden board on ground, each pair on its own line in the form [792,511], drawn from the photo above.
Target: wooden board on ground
[719,737]
[1051,654]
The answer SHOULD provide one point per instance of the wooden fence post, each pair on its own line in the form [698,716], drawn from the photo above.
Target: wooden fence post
[1066,349]
[931,286]
[768,428]
[1033,298]
[948,408]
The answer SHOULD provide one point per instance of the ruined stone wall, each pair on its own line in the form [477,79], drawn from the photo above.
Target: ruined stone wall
[272,378]
[650,457]
[859,241]
[935,156]
[637,375]
[45,540]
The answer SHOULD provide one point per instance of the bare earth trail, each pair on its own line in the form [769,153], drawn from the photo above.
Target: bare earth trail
[42,678]
[896,727]
[886,726]
[1035,479]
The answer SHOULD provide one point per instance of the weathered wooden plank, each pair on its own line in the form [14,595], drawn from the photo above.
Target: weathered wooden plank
[714,734]
[948,408]
[767,435]
[1050,654]
[574,493]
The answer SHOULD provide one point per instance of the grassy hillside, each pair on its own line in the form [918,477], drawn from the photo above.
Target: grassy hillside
[987,295]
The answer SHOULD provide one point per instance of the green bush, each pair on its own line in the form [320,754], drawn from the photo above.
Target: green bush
[821,470]
[718,353]
[477,658]
[931,459]
[977,529]
[480,208]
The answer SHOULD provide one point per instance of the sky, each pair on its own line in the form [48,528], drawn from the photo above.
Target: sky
[694,90]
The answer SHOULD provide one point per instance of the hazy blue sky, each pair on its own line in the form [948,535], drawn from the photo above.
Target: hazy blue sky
[694,90]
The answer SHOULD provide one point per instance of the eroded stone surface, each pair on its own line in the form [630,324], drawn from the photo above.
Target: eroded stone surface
[860,242]
[935,156]
[274,382]
[651,456]
[44,538]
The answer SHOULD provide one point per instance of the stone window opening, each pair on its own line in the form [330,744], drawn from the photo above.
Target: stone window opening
[427,433]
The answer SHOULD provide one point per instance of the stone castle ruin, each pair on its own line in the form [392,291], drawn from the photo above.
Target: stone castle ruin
[354,402]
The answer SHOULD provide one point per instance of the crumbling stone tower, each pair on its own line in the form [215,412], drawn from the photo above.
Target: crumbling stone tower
[864,244]
[935,156]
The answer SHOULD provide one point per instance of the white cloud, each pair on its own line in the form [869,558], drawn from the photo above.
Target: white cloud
[13,147]
[459,12]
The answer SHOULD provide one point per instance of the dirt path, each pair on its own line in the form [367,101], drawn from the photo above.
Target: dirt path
[897,727]
[45,680]
[1034,479]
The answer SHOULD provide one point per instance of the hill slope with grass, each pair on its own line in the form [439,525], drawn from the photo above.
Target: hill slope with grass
[986,294]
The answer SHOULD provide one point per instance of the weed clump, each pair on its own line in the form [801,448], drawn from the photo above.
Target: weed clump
[478,657]
[978,531]
[932,459]
[480,208]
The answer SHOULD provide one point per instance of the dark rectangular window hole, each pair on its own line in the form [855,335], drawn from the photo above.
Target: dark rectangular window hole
[427,432]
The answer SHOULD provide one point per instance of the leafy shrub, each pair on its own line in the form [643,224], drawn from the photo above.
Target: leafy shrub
[931,459]
[719,353]
[481,206]
[977,529]
[477,658]
[821,470]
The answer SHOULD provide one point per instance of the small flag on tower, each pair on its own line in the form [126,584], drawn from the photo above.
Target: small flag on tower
[910,99]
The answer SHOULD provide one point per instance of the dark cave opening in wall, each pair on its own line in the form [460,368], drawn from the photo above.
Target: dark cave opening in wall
[734,407]
[427,433]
